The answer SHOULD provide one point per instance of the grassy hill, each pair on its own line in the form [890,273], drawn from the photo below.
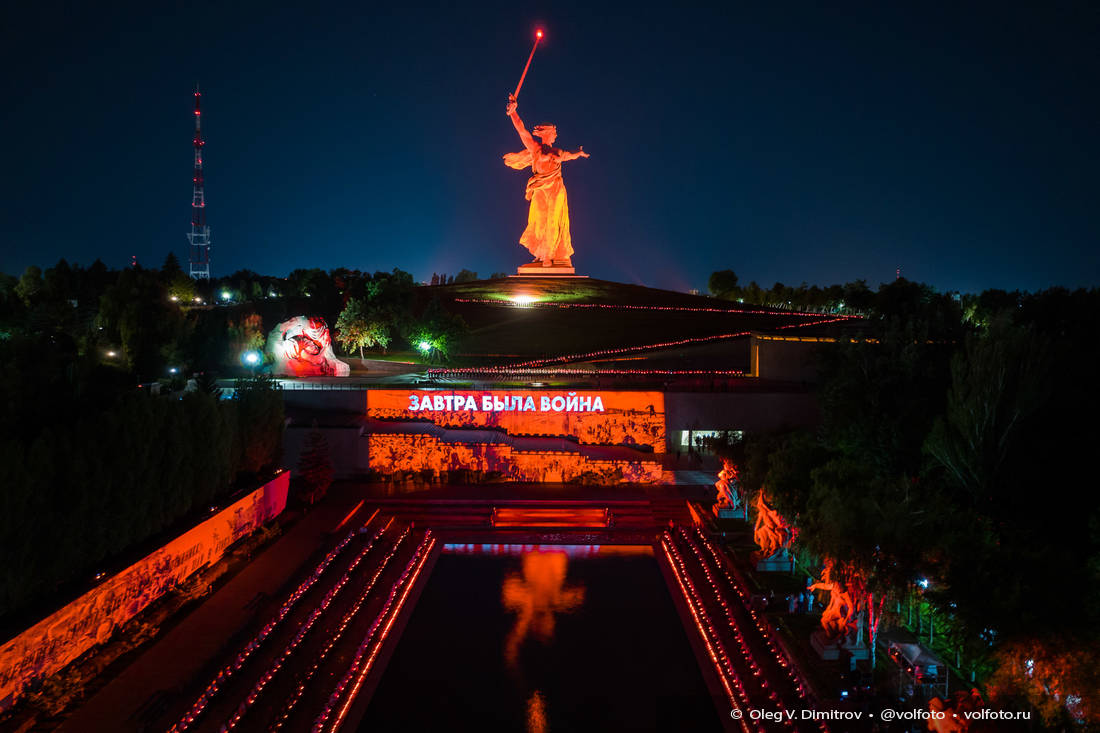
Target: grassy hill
[527,318]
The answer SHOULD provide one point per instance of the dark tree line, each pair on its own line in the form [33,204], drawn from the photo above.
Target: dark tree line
[82,486]
[92,464]
[955,453]
[160,324]
[854,297]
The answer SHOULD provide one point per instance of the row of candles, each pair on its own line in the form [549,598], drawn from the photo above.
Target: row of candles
[320,609]
[735,629]
[361,665]
[228,671]
[532,363]
[735,690]
[758,619]
[334,637]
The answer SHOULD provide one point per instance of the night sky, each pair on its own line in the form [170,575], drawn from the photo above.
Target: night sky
[786,141]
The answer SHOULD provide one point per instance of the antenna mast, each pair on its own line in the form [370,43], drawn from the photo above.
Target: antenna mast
[199,237]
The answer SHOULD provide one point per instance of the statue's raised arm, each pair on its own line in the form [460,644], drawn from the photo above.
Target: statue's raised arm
[528,141]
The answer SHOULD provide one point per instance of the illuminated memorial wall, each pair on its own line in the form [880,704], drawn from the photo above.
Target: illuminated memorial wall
[500,431]
[62,637]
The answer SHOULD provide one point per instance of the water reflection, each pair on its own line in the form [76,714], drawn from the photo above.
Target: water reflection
[536,714]
[529,637]
[535,595]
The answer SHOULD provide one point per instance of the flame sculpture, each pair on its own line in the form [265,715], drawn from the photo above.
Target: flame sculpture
[954,709]
[302,347]
[771,533]
[840,617]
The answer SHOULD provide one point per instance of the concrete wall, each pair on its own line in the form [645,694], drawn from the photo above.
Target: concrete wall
[749,410]
[343,400]
[66,634]
[350,454]
[787,360]
[753,406]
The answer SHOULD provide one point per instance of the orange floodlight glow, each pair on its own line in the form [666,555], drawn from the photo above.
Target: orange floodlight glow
[524,299]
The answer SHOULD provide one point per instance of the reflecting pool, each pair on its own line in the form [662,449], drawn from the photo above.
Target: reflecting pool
[543,638]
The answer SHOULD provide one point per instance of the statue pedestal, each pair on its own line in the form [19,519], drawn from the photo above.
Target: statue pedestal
[780,562]
[538,269]
[828,649]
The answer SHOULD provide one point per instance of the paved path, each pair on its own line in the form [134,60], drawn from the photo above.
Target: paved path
[695,478]
[175,659]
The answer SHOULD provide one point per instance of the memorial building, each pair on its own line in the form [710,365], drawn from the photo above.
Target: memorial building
[569,380]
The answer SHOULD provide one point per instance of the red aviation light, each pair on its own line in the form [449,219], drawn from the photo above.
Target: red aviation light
[538,34]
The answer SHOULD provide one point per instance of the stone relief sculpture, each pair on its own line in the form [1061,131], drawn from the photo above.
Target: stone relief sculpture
[302,347]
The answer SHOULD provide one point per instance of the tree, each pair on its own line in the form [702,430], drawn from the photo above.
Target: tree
[437,332]
[30,285]
[315,284]
[723,284]
[390,297]
[171,269]
[360,325]
[465,276]
[997,383]
[1060,677]
[151,329]
[259,415]
[245,333]
[181,289]
[10,302]
[790,462]
[315,465]
[1009,464]
[59,282]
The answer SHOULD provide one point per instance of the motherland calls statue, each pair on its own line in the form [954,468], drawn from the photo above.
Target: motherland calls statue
[547,234]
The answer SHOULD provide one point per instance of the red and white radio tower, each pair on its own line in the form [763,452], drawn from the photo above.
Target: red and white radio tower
[200,232]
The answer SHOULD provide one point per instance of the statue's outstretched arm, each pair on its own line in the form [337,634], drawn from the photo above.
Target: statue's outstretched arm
[528,141]
[566,155]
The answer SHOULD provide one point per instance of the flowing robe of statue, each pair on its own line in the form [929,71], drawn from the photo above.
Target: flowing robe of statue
[547,234]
